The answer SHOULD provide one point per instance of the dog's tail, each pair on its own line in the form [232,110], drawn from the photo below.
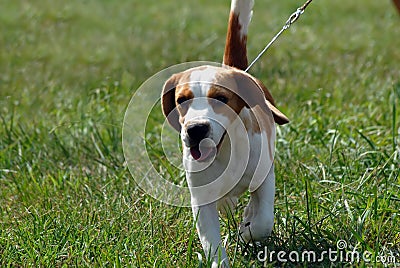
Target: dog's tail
[397,4]
[235,54]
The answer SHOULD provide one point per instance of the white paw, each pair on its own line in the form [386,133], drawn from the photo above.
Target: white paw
[254,230]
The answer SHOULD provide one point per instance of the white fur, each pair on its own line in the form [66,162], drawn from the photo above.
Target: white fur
[243,8]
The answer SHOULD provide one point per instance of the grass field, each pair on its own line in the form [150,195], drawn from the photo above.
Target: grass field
[69,68]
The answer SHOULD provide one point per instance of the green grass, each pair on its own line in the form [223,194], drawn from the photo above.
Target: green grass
[69,68]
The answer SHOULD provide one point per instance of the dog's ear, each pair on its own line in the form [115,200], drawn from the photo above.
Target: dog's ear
[279,117]
[253,92]
[168,104]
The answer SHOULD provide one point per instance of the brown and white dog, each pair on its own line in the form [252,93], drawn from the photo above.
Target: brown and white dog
[226,119]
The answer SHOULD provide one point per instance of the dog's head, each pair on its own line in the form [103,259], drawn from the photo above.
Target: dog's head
[202,102]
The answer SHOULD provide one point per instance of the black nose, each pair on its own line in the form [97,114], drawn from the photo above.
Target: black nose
[197,132]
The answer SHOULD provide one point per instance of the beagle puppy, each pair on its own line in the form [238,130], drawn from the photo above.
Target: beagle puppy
[226,120]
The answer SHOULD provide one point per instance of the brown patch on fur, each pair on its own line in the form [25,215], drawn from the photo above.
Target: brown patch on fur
[233,101]
[250,90]
[235,54]
[183,91]
[255,126]
[257,94]
[263,122]
[168,101]
[397,4]
[268,129]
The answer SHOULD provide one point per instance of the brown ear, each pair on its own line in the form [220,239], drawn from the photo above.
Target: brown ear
[168,101]
[279,117]
[254,93]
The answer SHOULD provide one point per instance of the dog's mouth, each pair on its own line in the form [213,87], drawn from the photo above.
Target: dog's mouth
[205,149]
[201,153]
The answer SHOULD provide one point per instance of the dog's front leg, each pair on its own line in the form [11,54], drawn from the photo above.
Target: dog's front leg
[207,224]
[258,219]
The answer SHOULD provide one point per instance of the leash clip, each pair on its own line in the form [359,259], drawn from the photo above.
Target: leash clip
[293,18]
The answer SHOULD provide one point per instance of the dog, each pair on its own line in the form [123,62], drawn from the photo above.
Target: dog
[226,119]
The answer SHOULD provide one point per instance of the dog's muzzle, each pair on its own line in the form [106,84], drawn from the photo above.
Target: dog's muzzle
[202,147]
[197,132]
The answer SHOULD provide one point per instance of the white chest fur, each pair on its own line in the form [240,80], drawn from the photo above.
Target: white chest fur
[242,163]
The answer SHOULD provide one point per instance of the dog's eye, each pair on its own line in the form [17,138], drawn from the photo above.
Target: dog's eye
[221,98]
[181,100]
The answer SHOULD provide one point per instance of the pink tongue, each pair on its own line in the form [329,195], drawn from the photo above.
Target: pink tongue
[200,154]
[195,152]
